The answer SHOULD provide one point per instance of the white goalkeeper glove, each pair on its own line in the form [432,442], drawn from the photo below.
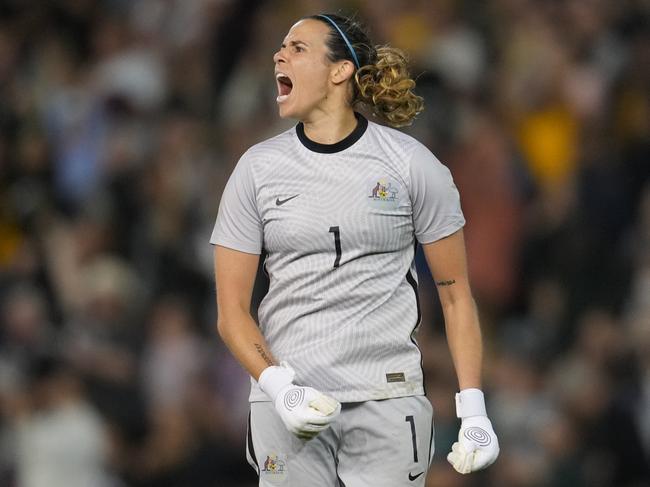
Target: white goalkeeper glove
[304,410]
[477,446]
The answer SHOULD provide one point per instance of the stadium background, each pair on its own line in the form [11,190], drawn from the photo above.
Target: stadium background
[119,124]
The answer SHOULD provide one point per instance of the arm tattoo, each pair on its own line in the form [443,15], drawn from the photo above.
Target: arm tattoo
[263,353]
[445,283]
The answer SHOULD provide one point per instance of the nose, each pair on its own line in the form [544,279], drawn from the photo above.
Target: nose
[279,56]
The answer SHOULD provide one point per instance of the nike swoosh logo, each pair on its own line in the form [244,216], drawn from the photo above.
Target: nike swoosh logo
[280,202]
[413,477]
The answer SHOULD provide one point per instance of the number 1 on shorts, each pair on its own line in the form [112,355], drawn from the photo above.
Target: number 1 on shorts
[410,419]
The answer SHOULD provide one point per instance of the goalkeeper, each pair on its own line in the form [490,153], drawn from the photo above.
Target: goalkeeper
[337,389]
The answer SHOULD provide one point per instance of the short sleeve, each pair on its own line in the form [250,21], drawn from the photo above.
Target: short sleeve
[238,224]
[434,198]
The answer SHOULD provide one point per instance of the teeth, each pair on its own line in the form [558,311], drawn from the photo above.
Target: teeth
[281,98]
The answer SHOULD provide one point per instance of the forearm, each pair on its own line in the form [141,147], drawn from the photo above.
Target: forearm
[243,338]
[477,446]
[464,339]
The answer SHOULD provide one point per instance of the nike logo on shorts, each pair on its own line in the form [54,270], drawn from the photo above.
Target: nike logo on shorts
[413,477]
[280,202]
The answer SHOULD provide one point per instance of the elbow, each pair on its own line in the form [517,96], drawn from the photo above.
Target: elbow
[222,328]
[232,322]
[229,325]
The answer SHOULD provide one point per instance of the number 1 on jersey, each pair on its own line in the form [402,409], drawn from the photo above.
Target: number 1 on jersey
[337,245]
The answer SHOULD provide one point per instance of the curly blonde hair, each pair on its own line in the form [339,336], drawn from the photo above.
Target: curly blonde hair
[386,88]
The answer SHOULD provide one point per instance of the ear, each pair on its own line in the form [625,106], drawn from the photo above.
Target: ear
[341,71]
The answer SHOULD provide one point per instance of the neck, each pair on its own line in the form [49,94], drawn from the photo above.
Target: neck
[330,128]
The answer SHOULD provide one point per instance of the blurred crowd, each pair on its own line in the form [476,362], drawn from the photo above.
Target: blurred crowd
[121,120]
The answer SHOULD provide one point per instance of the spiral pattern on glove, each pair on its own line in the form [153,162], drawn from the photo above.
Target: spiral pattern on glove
[293,398]
[478,436]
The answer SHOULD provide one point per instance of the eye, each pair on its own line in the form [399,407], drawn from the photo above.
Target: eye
[298,48]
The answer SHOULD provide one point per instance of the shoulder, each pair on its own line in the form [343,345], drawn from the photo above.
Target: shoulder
[405,149]
[270,149]
[395,142]
[421,170]
[392,136]
[426,171]
[262,157]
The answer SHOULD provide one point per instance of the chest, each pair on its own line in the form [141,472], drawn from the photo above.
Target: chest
[335,206]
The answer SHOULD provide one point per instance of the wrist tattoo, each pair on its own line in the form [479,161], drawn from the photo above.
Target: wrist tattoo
[263,353]
[445,283]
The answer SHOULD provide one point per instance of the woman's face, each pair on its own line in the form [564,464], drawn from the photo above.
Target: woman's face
[302,69]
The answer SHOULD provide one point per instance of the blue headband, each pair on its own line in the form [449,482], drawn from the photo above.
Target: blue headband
[347,43]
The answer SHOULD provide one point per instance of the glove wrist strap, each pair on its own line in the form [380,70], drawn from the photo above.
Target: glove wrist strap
[470,402]
[275,378]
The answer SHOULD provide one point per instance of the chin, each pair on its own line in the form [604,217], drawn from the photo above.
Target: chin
[287,112]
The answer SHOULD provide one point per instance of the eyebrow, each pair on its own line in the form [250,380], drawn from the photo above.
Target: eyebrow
[294,43]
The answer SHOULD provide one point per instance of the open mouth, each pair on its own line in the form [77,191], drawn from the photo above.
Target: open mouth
[285,85]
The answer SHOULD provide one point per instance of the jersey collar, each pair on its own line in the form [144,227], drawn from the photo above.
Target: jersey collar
[349,141]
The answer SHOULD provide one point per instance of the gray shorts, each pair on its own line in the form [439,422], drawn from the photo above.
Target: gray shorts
[373,443]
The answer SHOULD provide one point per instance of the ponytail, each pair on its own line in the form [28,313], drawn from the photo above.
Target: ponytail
[386,88]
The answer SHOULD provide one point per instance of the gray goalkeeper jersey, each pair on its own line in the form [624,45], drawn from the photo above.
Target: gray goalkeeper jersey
[339,225]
